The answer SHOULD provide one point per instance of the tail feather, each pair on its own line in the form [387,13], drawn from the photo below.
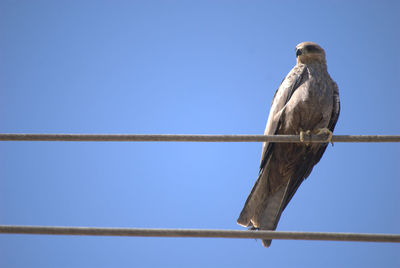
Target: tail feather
[263,210]
[256,197]
[272,211]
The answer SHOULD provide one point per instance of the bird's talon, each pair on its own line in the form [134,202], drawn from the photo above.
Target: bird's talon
[325,131]
[303,134]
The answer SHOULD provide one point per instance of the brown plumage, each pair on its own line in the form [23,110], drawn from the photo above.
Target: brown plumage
[306,101]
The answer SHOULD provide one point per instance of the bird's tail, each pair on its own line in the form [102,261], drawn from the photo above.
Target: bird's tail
[253,200]
[262,210]
[272,211]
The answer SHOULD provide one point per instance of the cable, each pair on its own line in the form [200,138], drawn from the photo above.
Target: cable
[195,138]
[58,230]
[97,231]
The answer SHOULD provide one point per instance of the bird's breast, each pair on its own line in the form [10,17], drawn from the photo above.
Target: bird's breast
[306,109]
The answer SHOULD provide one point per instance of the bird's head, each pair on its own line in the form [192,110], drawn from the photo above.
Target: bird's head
[309,52]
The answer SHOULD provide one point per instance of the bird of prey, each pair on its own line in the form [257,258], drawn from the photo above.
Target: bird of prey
[306,102]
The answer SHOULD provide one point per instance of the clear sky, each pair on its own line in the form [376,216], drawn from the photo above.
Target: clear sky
[189,67]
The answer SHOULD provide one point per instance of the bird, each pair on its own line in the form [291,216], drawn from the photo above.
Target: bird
[306,102]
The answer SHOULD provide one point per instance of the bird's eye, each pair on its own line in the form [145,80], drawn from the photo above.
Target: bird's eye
[311,48]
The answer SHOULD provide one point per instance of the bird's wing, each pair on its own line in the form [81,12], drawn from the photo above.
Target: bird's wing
[336,107]
[292,81]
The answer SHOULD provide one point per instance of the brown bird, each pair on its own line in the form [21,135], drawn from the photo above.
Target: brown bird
[306,102]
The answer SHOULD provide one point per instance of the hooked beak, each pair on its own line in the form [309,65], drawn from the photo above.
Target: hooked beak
[298,52]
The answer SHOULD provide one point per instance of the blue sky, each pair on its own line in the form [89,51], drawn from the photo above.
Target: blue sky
[189,67]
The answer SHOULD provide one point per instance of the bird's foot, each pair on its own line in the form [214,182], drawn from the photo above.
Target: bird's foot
[304,134]
[327,132]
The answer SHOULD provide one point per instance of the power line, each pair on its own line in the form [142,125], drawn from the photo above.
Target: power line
[195,138]
[58,230]
[204,233]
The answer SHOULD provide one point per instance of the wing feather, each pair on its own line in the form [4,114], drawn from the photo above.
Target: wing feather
[288,86]
[292,81]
